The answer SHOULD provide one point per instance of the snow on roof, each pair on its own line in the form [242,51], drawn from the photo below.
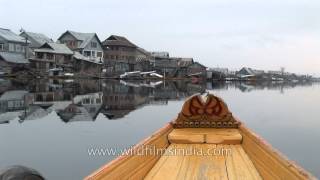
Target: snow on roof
[115,40]
[12,95]
[85,38]
[14,57]
[8,35]
[79,56]
[56,48]
[38,37]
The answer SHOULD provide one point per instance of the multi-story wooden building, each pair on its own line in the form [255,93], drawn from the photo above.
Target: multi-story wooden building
[12,52]
[52,58]
[36,40]
[121,55]
[119,48]
[87,44]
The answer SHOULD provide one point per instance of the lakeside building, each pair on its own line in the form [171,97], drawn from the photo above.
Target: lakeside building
[88,52]
[87,44]
[177,66]
[52,59]
[83,55]
[12,52]
[86,67]
[250,74]
[36,40]
[121,55]
[245,71]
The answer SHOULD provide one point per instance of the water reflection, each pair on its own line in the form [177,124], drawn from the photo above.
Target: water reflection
[121,113]
[252,86]
[84,100]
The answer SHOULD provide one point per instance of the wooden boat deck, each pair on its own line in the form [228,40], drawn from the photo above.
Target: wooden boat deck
[224,162]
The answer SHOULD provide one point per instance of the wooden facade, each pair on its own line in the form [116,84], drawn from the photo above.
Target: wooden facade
[12,52]
[87,44]
[51,56]
[11,42]
[121,55]
[11,63]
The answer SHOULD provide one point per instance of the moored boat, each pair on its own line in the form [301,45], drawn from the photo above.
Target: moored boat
[205,141]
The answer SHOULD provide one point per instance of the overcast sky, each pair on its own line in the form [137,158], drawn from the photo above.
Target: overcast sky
[227,33]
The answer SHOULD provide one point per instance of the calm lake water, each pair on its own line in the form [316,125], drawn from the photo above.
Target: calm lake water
[49,125]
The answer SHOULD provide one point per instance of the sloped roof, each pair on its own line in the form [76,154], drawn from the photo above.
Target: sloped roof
[38,37]
[8,116]
[143,51]
[251,71]
[84,37]
[56,48]
[116,113]
[160,54]
[34,112]
[75,112]
[12,95]
[8,35]
[14,57]
[114,40]
[196,62]
[184,62]
[79,56]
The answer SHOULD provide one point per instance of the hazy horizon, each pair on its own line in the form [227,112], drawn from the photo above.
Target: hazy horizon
[259,34]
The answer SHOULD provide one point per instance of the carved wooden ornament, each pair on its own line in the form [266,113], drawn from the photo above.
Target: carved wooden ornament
[212,113]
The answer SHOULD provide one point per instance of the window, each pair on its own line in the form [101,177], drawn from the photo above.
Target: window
[87,53]
[71,43]
[39,55]
[93,54]
[94,44]
[18,48]
[1,46]
[11,47]
[67,57]
[49,56]
[99,54]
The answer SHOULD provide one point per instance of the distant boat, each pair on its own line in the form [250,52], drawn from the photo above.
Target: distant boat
[205,125]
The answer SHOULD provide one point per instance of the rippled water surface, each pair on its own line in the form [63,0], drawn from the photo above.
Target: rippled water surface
[49,125]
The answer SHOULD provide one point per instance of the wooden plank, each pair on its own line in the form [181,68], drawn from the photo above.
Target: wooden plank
[167,167]
[205,135]
[192,166]
[270,163]
[185,138]
[133,165]
[239,166]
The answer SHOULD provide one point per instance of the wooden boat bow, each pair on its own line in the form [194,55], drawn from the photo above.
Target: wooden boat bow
[203,124]
[211,113]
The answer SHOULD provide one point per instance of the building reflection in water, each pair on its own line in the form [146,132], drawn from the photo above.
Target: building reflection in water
[84,100]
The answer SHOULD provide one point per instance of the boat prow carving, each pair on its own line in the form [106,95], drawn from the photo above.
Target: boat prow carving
[212,112]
